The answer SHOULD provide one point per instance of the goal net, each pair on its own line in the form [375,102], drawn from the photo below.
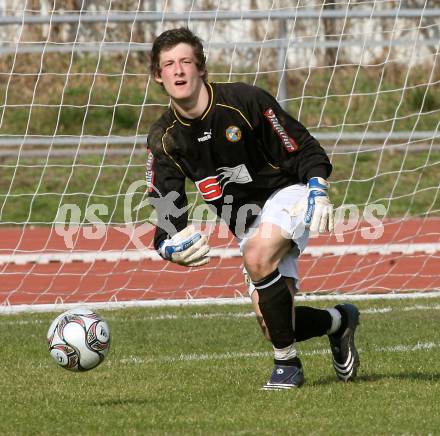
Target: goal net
[78,102]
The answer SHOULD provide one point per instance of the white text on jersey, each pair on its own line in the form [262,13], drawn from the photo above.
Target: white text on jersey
[205,137]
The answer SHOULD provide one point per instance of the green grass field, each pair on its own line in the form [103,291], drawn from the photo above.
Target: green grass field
[199,369]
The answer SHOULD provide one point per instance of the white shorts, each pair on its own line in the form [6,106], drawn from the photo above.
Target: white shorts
[276,211]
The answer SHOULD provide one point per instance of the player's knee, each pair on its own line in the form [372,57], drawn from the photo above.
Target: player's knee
[258,264]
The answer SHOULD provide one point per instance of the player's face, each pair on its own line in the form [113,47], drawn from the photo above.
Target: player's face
[179,74]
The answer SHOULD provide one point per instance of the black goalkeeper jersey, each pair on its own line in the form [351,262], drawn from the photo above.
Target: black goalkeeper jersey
[242,149]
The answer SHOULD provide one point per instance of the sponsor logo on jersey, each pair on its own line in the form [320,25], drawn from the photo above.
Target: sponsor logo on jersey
[149,175]
[289,143]
[205,137]
[212,187]
[233,134]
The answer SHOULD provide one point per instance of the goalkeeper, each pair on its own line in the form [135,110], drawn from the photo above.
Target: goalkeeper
[262,172]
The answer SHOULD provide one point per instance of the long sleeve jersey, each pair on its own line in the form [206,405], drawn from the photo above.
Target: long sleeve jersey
[238,152]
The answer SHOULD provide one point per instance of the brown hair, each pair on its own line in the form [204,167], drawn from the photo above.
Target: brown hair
[169,39]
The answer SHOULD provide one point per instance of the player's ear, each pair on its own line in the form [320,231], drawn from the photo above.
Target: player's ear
[158,78]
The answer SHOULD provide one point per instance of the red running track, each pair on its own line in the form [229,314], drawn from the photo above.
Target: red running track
[100,281]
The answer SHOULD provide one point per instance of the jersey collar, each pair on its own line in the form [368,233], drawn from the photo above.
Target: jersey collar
[188,122]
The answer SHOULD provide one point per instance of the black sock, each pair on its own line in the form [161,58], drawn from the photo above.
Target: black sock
[343,321]
[311,322]
[276,305]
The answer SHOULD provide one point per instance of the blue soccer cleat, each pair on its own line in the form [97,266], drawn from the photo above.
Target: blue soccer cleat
[285,377]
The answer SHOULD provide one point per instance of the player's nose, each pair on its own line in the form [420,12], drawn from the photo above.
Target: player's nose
[179,71]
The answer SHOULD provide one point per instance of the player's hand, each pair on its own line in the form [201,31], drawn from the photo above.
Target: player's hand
[188,248]
[318,212]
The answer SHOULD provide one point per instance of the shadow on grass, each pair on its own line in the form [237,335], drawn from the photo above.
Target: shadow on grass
[123,402]
[416,376]
[377,377]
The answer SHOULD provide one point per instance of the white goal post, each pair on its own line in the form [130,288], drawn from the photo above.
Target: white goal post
[78,101]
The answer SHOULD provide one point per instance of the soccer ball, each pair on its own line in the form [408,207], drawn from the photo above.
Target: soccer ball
[78,339]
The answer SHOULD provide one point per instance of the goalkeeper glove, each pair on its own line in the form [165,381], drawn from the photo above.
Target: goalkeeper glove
[188,248]
[317,212]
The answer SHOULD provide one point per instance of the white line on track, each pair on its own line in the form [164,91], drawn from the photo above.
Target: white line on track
[8,309]
[225,253]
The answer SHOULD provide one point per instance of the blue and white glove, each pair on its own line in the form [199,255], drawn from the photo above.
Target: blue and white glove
[317,211]
[188,248]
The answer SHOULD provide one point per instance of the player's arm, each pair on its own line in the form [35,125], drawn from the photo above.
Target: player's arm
[173,239]
[290,146]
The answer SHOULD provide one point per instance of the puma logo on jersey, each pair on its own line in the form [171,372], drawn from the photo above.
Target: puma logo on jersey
[289,143]
[212,187]
[205,137]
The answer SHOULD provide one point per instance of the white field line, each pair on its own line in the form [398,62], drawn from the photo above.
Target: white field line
[140,360]
[224,253]
[398,348]
[8,309]
[221,315]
